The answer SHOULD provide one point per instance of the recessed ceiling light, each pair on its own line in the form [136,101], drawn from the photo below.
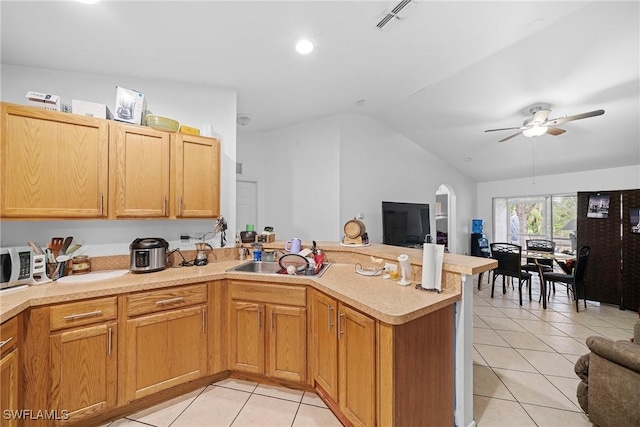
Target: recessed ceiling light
[88,1]
[305,46]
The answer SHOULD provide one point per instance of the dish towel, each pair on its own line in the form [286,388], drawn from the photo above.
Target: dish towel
[432,257]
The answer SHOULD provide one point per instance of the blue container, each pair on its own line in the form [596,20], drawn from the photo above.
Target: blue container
[476,226]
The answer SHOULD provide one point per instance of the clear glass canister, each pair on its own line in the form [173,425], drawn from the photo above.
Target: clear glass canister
[81,264]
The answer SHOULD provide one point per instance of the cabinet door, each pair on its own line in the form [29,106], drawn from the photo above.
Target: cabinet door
[356,337]
[246,337]
[140,172]
[54,165]
[164,350]
[197,176]
[9,387]
[287,354]
[323,351]
[84,370]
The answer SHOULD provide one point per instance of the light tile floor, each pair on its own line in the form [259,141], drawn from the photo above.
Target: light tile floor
[524,357]
[236,403]
[522,372]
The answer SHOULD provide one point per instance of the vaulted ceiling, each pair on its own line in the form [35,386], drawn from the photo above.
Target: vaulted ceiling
[440,76]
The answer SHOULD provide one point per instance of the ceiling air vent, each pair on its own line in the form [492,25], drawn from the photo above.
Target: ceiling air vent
[400,11]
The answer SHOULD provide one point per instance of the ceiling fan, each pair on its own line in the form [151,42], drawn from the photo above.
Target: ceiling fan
[539,123]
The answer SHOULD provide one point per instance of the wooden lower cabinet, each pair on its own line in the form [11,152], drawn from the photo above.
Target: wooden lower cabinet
[9,387]
[323,343]
[9,371]
[165,349]
[247,337]
[269,339]
[343,357]
[83,364]
[356,366]
[286,349]
[266,337]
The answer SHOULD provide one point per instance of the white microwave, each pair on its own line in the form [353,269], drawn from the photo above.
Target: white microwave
[16,266]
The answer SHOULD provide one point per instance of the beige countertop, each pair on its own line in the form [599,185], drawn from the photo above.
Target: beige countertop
[380,298]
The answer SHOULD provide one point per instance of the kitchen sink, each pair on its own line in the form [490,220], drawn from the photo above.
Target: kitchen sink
[265,267]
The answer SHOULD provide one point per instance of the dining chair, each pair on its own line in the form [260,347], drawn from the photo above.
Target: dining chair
[572,281]
[539,245]
[509,256]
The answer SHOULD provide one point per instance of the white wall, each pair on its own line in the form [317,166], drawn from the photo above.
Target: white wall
[190,104]
[378,163]
[251,150]
[624,178]
[302,181]
[324,172]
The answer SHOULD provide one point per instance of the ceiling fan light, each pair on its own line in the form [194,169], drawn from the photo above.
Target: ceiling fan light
[535,131]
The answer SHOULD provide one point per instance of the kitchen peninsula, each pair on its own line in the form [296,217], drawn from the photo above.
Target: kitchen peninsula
[377,353]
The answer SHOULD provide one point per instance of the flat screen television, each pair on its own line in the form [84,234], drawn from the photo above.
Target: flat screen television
[405,224]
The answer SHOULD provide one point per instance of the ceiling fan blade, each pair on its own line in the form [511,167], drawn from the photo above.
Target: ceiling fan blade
[555,131]
[493,130]
[540,116]
[563,120]
[509,137]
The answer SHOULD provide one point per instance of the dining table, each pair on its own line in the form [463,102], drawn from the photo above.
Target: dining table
[563,260]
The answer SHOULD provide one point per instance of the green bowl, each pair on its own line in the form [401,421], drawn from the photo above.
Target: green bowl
[162,123]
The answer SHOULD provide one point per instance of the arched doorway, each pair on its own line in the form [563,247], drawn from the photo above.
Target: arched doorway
[446,218]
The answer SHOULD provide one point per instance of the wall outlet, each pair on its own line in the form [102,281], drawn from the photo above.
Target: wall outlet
[184,238]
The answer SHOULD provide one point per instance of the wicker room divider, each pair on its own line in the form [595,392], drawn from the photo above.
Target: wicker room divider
[613,271]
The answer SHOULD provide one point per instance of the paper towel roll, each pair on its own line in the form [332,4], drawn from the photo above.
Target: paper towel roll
[432,257]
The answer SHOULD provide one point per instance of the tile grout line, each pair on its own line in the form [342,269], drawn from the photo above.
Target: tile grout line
[536,369]
[187,407]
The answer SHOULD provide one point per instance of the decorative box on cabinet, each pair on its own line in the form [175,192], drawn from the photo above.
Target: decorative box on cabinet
[53,165]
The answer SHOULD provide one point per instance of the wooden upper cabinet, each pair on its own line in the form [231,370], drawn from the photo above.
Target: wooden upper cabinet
[196,169]
[53,165]
[139,185]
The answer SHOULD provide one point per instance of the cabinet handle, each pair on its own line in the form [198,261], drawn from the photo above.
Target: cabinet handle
[180,206]
[100,203]
[259,318]
[109,343]
[2,343]
[164,205]
[340,331]
[83,315]
[204,319]
[170,300]
[329,324]
[273,320]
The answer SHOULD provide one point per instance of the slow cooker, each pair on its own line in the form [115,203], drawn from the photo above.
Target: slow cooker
[148,255]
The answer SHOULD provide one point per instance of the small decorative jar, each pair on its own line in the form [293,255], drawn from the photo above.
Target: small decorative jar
[81,264]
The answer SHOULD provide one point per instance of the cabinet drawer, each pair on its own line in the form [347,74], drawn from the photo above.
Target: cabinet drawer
[269,293]
[9,335]
[83,312]
[166,299]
